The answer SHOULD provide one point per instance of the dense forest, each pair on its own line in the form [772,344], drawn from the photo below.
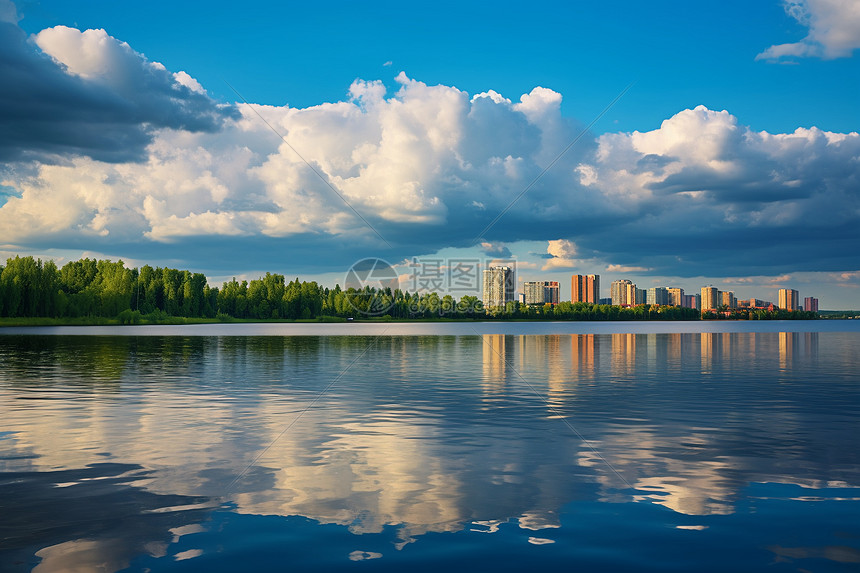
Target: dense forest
[102,288]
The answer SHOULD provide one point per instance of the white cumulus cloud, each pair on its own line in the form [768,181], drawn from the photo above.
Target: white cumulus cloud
[562,254]
[405,160]
[719,187]
[626,269]
[834,30]
[427,167]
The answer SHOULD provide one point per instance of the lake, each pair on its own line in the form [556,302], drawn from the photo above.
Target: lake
[716,446]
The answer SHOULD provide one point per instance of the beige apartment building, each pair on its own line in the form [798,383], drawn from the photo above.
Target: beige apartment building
[710,298]
[585,288]
[789,299]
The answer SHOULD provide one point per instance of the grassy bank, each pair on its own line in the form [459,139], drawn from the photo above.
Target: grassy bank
[171,320]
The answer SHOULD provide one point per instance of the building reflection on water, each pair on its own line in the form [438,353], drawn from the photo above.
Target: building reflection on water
[584,351]
[797,347]
[419,436]
[623,355]
[495,367]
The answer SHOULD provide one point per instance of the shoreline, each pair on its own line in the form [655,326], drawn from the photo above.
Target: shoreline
[31,322]
[437,328]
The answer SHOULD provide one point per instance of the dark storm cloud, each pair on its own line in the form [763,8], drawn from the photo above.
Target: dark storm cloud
[653,163]
[734,188]
[45,110]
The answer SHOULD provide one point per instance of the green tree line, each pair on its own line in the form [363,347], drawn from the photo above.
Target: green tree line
[103,288]
[725,313]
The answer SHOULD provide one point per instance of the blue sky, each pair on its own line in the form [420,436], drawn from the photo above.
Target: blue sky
[298,54]
[697,175]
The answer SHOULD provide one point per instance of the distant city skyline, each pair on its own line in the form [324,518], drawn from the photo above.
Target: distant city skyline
[624,292]
[630,140]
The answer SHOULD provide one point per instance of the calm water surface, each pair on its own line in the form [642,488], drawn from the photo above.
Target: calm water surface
[692,451]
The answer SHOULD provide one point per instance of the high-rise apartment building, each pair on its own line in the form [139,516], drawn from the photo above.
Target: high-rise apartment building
[727,299]
[810,303]
[710,298]
[541,292]
[533,292]
[657,295]
[585,288]
[789,299]
[623,292]
[676,296]
[499,286]
[551,292]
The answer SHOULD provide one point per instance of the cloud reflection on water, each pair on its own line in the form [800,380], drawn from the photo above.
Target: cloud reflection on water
[428,434]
